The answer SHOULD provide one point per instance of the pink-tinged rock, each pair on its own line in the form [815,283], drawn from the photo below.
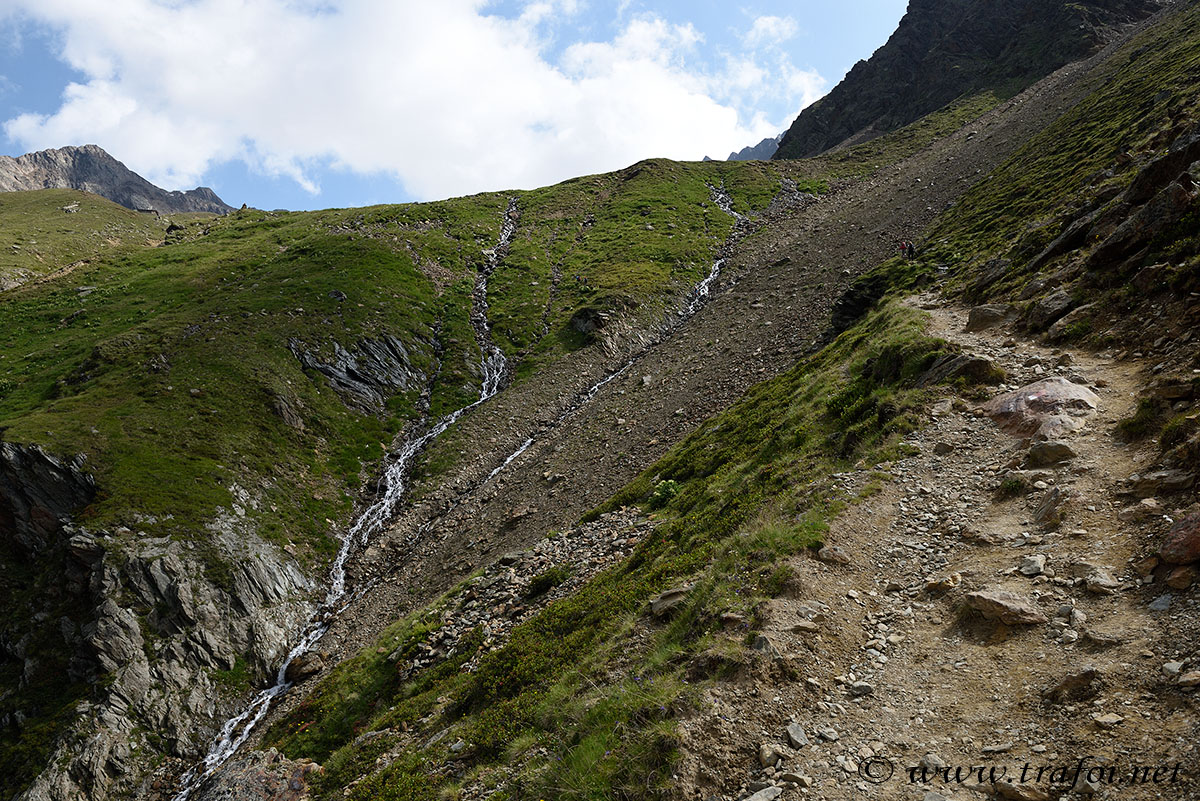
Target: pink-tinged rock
[1006,607]
[1182,545]
[1046,409]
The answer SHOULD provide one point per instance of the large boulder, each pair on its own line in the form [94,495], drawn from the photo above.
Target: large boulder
[988,316]
[1049,309]
[1182,544]
[1045,409]
[975,369]
[1061,328]
[1164,209]
[1007,607]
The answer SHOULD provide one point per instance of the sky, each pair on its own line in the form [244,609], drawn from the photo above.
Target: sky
[305,104]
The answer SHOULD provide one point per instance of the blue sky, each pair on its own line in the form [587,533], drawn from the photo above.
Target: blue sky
[307,104]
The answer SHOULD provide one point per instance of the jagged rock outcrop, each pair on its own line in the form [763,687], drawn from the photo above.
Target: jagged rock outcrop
[948,49]
[373,372]
[37,493]
[150,622]
[91,169]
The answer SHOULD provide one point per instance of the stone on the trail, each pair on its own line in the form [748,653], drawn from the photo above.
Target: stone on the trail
[828,733]
[796,735]
[795,778]
[1048,453]
[1006,607]
[1020,792]
[1033,565]
[1161,604]
[1048,511]
[943,448]
[976,369]
[670,599]
[988,316]
[1161,482]
[769,755]
[763,645]
[1062,326]
[766,794]
[1103,639]
[1189,679]
[806,627]
[932,762]
[1108,720]
[832,554]
[861,688]
[1102,582]
[1182,544]
[304,666]
[1049,309]
[1046,409]
[1079,684]
[943,583]
[1145,567]
[1172,668]
[1181,578]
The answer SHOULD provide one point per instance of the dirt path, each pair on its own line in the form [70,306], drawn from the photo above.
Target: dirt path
[898,667]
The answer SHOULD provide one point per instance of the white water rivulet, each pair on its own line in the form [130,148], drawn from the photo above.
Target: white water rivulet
[696,299]
[393,484]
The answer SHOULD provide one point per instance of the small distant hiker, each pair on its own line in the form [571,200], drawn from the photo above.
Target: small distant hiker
[904,248]
[910,250]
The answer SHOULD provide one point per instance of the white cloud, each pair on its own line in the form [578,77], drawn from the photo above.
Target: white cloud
[769,30]
[441,95]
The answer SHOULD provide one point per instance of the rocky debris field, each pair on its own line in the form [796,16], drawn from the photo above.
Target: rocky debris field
[515,587]
[1001,602]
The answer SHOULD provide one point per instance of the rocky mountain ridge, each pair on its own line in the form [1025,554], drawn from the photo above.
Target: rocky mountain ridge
[91,169]
[762,151]
[945,50]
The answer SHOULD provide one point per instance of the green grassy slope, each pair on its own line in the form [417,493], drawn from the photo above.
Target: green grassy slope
[575,706]
[169,367]
[46,230]
[752,489]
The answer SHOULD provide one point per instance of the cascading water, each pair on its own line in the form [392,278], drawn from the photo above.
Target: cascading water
[696,299]
[393,484]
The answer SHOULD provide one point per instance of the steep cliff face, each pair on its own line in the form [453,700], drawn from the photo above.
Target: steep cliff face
[947,49]
[93,170]
[144,634]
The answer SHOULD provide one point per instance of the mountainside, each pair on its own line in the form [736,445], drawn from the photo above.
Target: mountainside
[947,50]
[91,169]
[668,483]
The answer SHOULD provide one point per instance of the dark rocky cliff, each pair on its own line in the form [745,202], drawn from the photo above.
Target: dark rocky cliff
[947,49]
[91,169]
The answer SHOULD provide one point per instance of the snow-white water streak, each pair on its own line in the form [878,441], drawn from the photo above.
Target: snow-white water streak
[374,518]
[698,297]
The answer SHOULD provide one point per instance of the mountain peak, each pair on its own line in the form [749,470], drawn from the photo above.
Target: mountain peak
[90,168]
[945,50]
